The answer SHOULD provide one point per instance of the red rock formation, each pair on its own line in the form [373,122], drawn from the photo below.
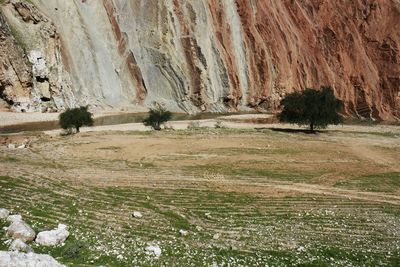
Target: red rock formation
[354,47]
[223,34]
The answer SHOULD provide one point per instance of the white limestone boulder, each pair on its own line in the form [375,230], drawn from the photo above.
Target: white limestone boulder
[21,230]
[183,232]
[39,67]
[137,214]
[20,246]
[54,237]
[17,259]
[153,250]
[14,218]
[11,146]
[4,213]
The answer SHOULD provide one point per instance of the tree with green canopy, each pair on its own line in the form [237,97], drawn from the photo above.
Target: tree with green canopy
[157,116]
[76,118]
[316,108]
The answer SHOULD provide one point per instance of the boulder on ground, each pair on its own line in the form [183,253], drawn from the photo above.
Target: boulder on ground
[154,250]
[54,237]
[11,146]
[14,218]
[137,214]
[21,230]
[4,214]
[20,246]
[21,146]
[17,259]
[183,232]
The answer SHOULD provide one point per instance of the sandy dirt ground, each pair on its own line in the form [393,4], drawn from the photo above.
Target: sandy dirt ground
[186,145]
[232,123]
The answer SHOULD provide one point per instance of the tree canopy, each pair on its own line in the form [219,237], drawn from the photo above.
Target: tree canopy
[157,116]
[316,108]
[76,118]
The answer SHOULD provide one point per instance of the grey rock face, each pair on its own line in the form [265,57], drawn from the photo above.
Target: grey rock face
[20,246]
[197,56]
[16,259]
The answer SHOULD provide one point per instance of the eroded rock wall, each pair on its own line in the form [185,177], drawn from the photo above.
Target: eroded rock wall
[206,55]
[33,74]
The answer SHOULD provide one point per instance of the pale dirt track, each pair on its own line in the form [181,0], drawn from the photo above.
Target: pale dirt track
[180,125]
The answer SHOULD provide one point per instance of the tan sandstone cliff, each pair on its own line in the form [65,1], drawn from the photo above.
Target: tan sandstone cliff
[199,55]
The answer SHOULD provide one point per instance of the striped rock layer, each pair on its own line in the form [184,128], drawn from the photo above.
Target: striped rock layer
[199,55]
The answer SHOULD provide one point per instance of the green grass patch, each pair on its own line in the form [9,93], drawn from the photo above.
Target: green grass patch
[380,182]
[254,230]
[9,159]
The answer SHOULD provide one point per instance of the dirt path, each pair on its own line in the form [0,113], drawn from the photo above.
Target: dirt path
[180,125]
[331,191]
[373,155]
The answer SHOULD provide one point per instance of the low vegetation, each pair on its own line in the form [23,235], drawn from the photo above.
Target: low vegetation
[245,197]
[157,116]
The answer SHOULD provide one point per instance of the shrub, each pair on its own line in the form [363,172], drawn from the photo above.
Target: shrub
[311,107]
[219,125]
[74,250]
[75,118]
[157,116]
[193,125]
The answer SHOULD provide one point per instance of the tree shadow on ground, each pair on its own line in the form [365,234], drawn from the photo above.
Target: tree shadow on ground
[289,130]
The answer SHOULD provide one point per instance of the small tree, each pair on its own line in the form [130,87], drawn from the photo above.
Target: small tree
[157,116]
[76,118]
[311,107]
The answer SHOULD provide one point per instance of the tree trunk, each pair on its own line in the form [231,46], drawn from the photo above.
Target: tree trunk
[157,126]
[77,129]
[312,127]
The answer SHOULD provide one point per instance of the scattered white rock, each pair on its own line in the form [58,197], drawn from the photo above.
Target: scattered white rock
[20,246]
[21,146]
[208,215]
[11,146]
[21,230]
[54,237]
[4,214]
[14,218]
[16,259]
[154,250]
[183,232]
[137,214]
[301,249]
[216,236]
[120,257]
[199,228]
[39,67]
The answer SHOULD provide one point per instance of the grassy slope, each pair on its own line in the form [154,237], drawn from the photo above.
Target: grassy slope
[278,229]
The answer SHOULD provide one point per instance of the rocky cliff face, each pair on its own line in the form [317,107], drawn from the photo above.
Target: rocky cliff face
[199,55]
